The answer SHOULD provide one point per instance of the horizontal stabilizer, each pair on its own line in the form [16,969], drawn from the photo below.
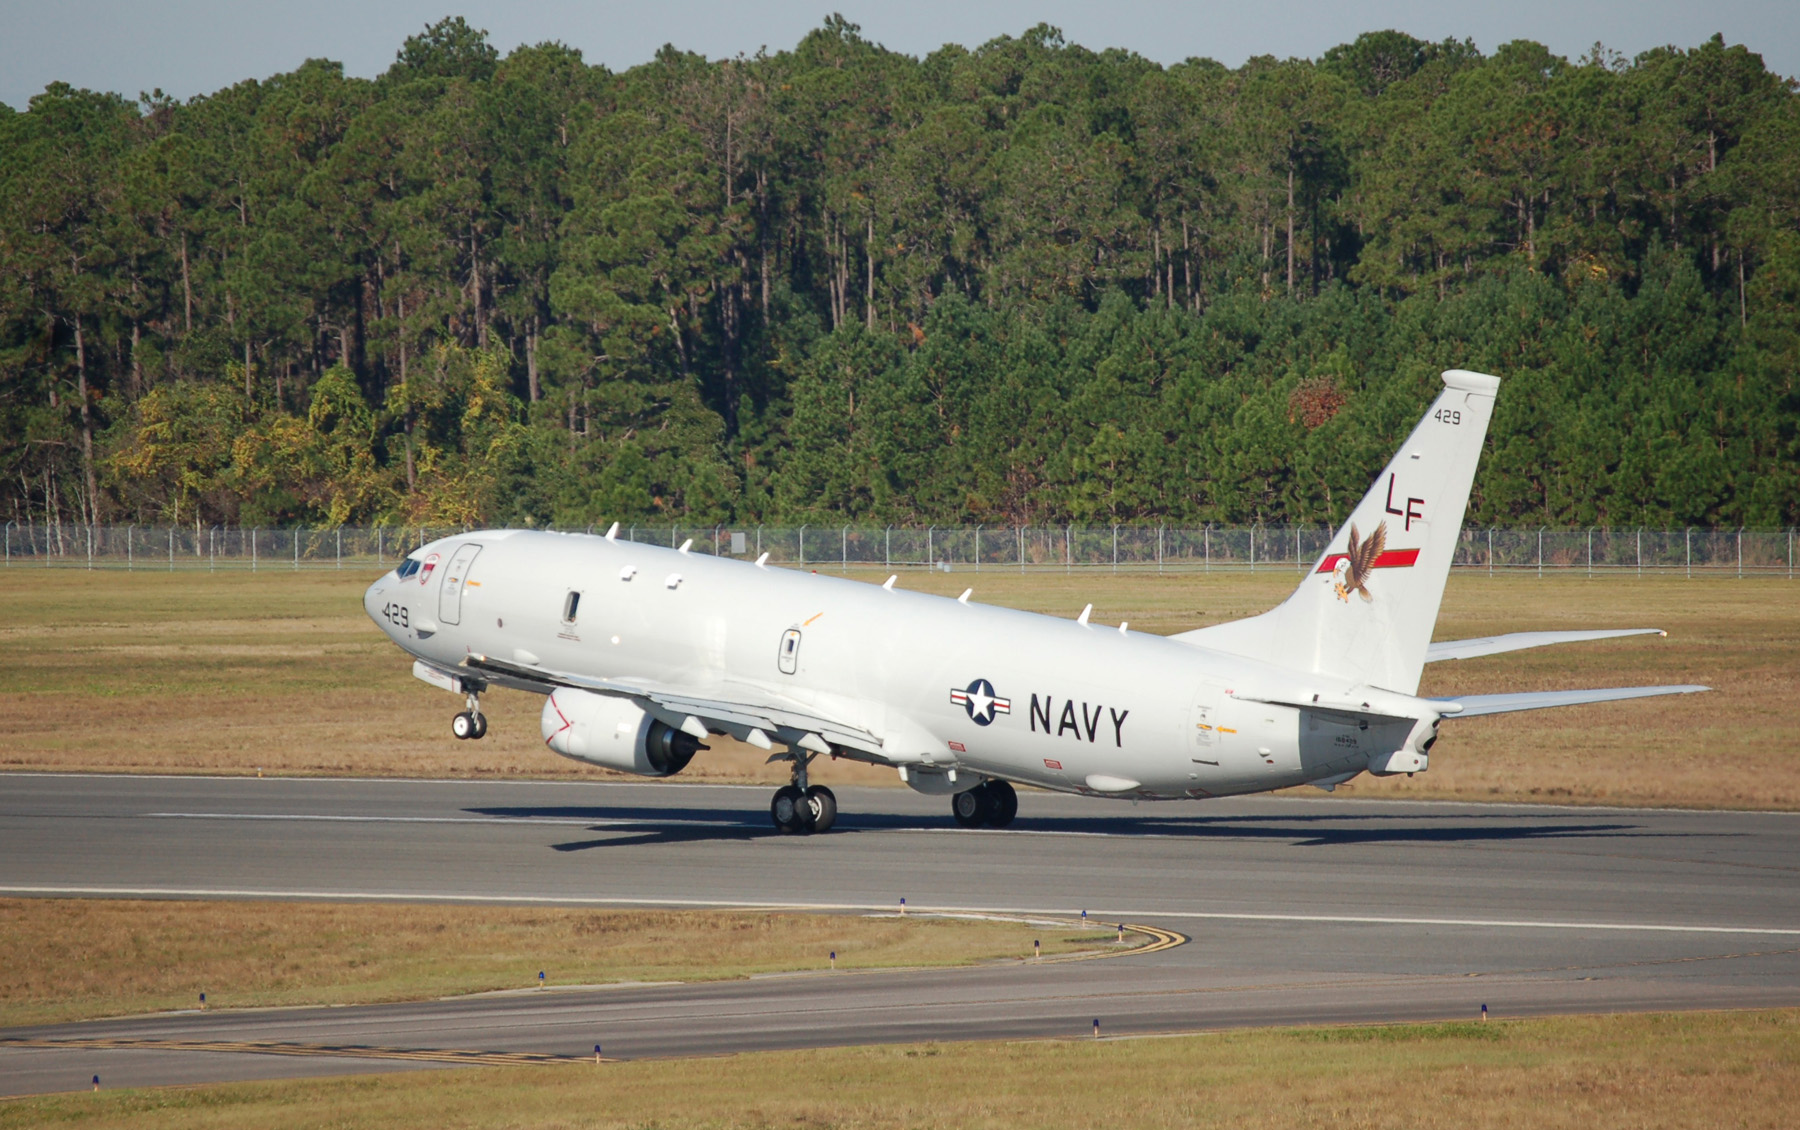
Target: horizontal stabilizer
[1518,641]
[1475,704]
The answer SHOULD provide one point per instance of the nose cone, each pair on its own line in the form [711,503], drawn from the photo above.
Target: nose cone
[372,600]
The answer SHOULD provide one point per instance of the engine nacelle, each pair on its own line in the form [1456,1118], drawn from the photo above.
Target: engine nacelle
[614,732]
[1413,757]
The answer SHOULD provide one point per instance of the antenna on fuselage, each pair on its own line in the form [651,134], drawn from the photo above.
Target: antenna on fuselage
[761,561]
[613,533]
[888,585]
[1085,613]
[686,545]
[964,598]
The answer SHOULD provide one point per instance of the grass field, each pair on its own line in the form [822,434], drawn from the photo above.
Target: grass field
[1739,1070]
[282,673]
[74,959]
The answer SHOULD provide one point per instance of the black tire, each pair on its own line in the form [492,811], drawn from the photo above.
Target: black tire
[480,727]
[971,807]
[824,807]
[462,726]
[1005,803]
[791,815]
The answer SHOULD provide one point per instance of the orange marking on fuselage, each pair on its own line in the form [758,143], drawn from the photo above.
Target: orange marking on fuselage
[815,616]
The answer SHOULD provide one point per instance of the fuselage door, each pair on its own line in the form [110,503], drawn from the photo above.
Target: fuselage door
[788,658]
[455,576]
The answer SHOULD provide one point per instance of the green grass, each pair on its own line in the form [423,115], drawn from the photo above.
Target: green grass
[1646,1072]
[146,672]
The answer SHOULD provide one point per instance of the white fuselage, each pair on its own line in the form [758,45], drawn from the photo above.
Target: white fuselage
[979,690]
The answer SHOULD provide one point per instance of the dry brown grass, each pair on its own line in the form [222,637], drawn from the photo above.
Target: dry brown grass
[232,672]
[73,959]
[1573,1073]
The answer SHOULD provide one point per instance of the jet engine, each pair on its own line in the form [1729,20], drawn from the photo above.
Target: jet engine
[614,732]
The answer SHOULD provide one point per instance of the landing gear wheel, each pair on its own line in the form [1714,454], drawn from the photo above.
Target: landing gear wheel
[823,804]
[463,726]
[972,807]
[1005,803]
[480,726]
[790,812]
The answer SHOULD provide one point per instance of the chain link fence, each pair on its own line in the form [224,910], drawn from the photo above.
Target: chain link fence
[1599,550]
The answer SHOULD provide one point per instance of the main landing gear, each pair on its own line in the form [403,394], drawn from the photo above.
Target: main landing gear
[991,804]
[471,723]
[800,809]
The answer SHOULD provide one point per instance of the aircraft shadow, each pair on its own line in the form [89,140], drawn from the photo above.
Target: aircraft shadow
[628,826]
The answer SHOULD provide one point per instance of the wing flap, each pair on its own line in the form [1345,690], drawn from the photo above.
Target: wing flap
[1518,641]
[1477,704]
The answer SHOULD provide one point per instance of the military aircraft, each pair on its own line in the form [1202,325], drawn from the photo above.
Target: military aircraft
[643,653]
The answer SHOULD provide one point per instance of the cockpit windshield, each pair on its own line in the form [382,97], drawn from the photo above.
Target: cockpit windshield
[407,568]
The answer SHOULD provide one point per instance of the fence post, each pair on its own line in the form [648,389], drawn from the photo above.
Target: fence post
[253,549]
[171,549]
[1207,533]
[1790,553]
[1540,551]
[1740,547]
[844,550]
[802,545]
[930,553]
[1490,551]
[759,541]
[1253,547]
[297,530]
[1069,548]
[1115,549]
[90,547]
[887,548]
[1159,548]
[132,527]
[1690,553]
[9,527]
[340,547]
[1019,537]
[1640,551]
[212,548]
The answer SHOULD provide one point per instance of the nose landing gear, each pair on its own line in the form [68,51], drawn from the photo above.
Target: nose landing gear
[991,804]
[471,723]
[800,809]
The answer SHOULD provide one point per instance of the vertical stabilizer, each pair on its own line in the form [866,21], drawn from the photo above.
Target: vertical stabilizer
[1366,609]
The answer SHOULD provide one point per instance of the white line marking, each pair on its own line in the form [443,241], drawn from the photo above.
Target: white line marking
[1102,915]
[515,821]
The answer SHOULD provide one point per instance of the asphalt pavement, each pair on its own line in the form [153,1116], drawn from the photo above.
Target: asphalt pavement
[1299,911]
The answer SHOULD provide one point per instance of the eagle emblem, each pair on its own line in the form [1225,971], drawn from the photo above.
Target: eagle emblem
[1351,573]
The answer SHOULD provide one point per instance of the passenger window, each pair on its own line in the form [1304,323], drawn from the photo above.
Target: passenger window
[571,605]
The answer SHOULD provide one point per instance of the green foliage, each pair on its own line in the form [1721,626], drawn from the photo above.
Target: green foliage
[1023,283]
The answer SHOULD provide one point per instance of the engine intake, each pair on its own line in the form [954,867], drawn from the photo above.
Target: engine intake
[614,732]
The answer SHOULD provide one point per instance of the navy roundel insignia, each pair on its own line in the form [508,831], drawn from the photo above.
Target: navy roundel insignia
[980,701]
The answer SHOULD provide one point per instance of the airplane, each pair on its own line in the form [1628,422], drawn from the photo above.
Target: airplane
[643,653]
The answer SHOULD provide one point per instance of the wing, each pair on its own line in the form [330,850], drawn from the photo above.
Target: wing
[732,708]
[1477,704]
[1518,641]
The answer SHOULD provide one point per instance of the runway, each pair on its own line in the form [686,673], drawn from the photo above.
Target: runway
[1300,911]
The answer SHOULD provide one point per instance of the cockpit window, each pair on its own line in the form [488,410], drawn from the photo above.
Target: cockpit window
[408,568]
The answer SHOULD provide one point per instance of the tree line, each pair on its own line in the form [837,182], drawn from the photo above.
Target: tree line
[1025,283]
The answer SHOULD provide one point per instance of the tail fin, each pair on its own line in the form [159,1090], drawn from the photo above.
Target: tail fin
[1366,610]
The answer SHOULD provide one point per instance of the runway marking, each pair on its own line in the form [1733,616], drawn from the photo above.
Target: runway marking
[512,820]
[260,1047]
[744,904]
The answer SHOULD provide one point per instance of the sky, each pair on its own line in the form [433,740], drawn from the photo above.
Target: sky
[189,47]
